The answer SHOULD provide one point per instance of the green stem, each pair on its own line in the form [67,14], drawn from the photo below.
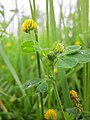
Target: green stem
[85,84]
[49,86]
[88,86]
[33,12]
[86,69]
[31,8]
[38,62]
[38,109]
[39,73]
[59,101]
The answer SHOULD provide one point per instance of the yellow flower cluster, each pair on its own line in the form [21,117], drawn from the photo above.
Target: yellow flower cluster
[73,94]
[29,25]
[76,100]
[50,115]
[59,48]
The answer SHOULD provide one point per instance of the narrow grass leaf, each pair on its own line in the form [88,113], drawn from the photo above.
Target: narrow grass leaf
[64,88]
[52,22]
[15,76]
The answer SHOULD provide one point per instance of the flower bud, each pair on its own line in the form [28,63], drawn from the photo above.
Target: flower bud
[51,56]
[59,48]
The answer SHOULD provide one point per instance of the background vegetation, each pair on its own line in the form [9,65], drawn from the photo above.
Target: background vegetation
[19,80]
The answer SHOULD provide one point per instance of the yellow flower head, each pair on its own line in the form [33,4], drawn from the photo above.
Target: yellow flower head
[59,48]
[50,115]
[55,71]
[77,43]
[73,94]
[76,100]
[8,44]
[29,25]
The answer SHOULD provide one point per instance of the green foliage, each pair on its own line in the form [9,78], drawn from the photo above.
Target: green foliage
[69,116]
[32,83]
[83,56]
[19,79]
[27,46]
[43,87]
[71,49]
[66,62]
[52,22]
[72,56]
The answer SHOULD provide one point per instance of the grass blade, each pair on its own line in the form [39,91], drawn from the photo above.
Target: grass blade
[6,60]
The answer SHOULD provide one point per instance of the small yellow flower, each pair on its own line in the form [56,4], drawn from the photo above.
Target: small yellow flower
[50,115]
[8,44]
[73,94]
[77,43]
[76,100]
[55,71]
[29,25]
[32,57]
[59,48]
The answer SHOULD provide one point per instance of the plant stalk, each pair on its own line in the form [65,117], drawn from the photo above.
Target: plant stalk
[33,12]
[86,69]
[59,101]
[38,61]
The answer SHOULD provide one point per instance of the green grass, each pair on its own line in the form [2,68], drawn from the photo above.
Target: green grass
[29,86]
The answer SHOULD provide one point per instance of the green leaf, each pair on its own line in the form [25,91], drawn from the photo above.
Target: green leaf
[83,56]
[52,22]
[43,87]
[68,116]
[71,49]
[66,62]
[28,46]
[31,83]
[85,37]
[72,111]
[63,84]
